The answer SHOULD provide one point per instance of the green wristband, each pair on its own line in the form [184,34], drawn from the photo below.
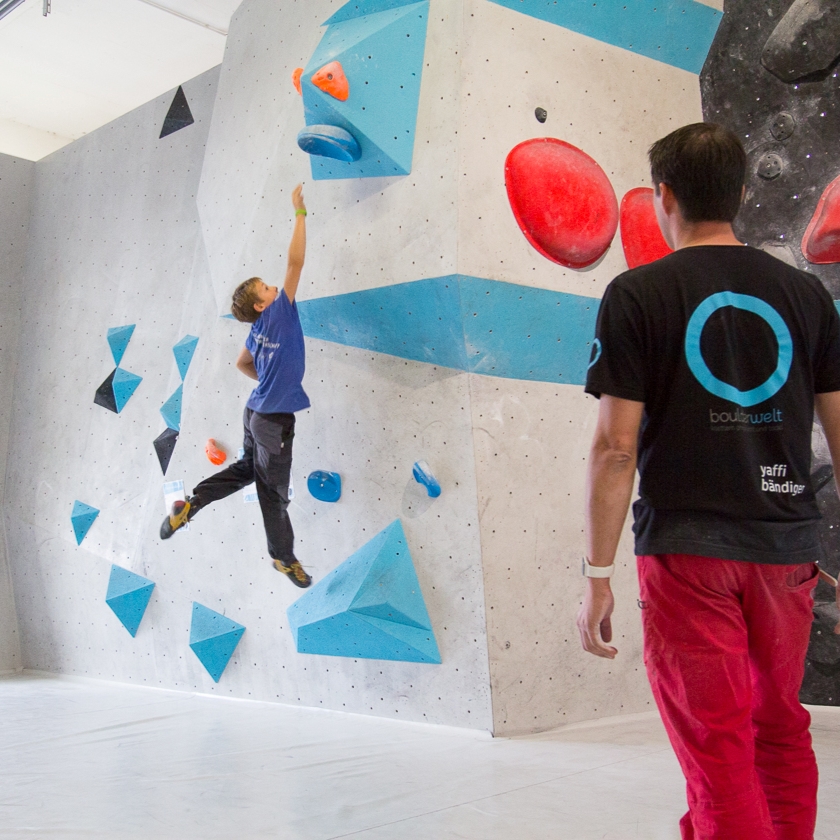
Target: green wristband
[300,212]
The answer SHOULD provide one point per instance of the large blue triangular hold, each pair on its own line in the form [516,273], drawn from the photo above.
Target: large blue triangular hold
[128,596]
[124,385]
[370,607]
[118,338]
[213,638]
[358,8]
[82,517]
[171,409]
[183,351]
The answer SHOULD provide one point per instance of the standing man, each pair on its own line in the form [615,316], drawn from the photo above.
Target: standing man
[708,364]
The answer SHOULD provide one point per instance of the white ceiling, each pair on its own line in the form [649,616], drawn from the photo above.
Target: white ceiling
[91,61]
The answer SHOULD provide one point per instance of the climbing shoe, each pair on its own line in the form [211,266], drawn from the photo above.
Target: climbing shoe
[179,515]
[294,571]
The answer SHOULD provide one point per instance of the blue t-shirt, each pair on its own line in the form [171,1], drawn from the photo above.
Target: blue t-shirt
[276,343]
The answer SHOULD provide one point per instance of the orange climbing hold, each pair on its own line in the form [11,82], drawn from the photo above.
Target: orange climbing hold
[296,79]
[331,79]
[214,453]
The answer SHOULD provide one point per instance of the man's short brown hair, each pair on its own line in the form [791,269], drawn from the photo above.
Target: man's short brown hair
[244,298]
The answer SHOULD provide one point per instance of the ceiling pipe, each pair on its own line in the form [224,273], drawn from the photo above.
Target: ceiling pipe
[47,7]
[181,15]
[7,6]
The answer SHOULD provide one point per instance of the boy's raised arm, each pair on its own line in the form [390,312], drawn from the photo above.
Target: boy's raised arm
[297,247]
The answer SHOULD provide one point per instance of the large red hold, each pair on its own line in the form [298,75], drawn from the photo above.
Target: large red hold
[821,242]
[641,237]
[562,200]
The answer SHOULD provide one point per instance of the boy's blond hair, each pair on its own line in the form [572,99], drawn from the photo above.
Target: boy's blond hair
[244,298]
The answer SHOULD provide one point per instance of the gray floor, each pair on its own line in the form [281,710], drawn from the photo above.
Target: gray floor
[86,759]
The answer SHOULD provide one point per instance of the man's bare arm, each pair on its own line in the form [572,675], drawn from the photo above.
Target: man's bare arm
[828,410]
[297,247]
[245,364]
[609,487]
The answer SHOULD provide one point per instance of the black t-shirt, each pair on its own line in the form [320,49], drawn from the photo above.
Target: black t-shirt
[726,347]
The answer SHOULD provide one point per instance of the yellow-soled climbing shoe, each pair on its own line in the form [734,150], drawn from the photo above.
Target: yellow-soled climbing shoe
[179,515]
[294,571]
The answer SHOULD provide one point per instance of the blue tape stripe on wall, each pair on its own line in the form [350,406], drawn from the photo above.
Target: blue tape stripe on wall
[676,32]
[467,323]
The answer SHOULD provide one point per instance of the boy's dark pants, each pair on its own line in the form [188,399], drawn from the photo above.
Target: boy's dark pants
[268,462]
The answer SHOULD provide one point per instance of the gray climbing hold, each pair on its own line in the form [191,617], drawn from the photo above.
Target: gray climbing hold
[806,40]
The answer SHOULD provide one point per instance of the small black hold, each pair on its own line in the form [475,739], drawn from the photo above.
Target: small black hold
[770,166]
[179,115]
[783,126]
[105,394]
[165,446]
[541,114]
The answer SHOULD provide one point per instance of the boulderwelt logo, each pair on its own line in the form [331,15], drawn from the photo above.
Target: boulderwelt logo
[732,419]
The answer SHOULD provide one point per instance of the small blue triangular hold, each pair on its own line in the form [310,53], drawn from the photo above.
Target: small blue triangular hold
[118,338]
[128,596]
[213,638]
[82,517]
[171,409]
[370,607]
[324,486]
[124,385]
[183,351]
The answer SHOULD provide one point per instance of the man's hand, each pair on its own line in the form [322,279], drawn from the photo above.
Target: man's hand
[297,198]
[593,620]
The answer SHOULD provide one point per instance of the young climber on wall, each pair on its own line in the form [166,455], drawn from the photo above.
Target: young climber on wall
[274,356]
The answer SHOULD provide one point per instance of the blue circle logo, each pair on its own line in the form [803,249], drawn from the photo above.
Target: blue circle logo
[596,352]
[701,370]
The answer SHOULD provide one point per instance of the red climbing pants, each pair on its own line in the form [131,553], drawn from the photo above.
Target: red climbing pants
[725,645]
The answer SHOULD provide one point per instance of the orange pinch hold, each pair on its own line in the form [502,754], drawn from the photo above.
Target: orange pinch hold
[821,242]
[331,79]
[215,453]
[296,79]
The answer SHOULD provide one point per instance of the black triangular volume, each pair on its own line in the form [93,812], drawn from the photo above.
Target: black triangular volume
[165,446]
[179,115]
[105,393]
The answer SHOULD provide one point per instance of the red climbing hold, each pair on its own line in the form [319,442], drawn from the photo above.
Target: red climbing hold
[331,79]
[296,79]
[821,242]
[214,453]
[641,237]
[562,200]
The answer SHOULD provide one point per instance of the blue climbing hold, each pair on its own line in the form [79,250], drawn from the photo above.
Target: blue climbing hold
[369,607]
[82,517]
[213,638]
[183,351]
[124,385]
[128,596]
[423,475]
[171,409]
[329,141]
[324,486]
[118,338]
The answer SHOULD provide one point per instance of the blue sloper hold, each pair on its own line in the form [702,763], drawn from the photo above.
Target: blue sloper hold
[128,596]
[382,57]
[370,607]
[324,486]
[466,323]
[329,141]
[183,351]
[118,338]
[422,473]
[171,409]
[357,8]
[124,385]
[675,32]
[213,638]
[82,517]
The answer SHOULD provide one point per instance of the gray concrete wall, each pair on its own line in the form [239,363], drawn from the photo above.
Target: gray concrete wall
[16,186]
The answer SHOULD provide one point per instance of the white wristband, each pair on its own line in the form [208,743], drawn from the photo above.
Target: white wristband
[596,571]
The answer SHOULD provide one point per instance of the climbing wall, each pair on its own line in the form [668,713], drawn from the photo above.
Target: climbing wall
[16,182]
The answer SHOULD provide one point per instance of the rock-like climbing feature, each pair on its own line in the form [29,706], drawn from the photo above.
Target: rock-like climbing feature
[805,41]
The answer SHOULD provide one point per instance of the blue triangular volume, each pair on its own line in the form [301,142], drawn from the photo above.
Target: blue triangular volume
[128,596]
[370,607]
[171,409]
[183,351]
[358,8]
[213,638]
[382,57]
[124,385]
[82,517]
[118,338]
